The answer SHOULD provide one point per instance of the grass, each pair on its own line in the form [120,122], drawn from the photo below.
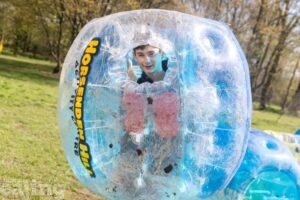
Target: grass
[30,143]
[271,119]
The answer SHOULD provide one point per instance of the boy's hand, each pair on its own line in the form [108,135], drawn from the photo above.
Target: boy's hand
[130,71]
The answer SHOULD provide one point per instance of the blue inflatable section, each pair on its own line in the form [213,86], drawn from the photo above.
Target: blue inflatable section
[180,137]
[269,171]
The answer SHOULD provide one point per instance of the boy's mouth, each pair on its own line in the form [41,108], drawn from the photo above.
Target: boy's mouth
[148,67]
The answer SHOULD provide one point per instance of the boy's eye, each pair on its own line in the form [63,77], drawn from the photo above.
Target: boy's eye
[140,55]
[151,53]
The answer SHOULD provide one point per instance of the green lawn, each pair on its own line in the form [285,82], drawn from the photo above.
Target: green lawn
[31,152]
[265,120]
[30,142]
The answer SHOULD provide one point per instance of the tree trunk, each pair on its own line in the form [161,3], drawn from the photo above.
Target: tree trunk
[255,46]
[284,102]
[270,75]
[294,105]
[60,14]
[56,69]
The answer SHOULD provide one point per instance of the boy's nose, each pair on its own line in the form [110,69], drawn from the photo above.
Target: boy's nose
[148,61]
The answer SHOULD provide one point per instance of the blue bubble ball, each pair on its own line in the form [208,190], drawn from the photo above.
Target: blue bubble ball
[154,104]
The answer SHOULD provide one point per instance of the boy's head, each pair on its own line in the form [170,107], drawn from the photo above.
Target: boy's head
[148,57]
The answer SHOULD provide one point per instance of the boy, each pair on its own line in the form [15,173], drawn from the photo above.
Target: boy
[151,104]
[154,65]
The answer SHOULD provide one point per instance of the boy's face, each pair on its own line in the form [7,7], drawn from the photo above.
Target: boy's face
[146,58]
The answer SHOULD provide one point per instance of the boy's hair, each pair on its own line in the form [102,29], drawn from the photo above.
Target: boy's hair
[140,47]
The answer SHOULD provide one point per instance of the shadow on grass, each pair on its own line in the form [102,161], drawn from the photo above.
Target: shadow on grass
[269,108]
[22,70]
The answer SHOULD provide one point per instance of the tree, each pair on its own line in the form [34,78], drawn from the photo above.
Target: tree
[256,50]
[285,23]
[80,12]
[58,16]
[264,29]
[51,16]
[6,21]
